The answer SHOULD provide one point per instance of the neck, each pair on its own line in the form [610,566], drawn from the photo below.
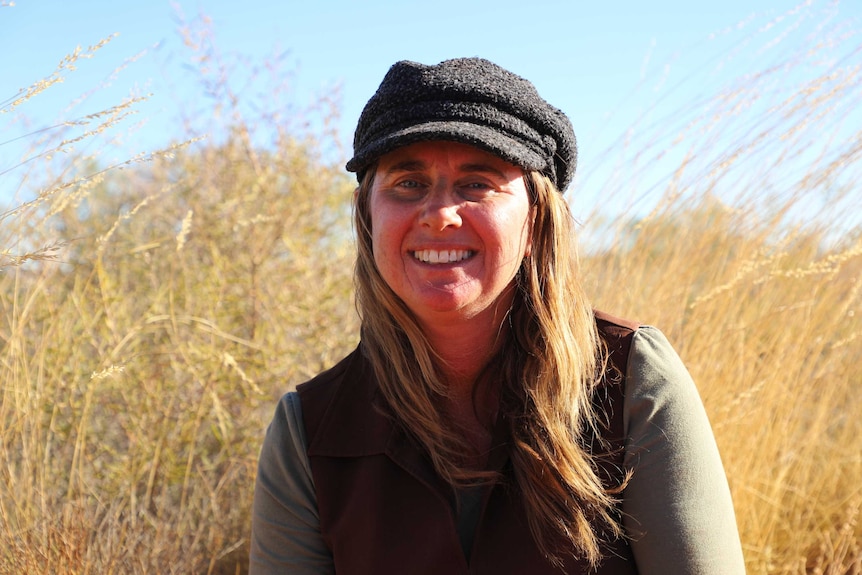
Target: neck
[471,402]
[465,347]
[466,343]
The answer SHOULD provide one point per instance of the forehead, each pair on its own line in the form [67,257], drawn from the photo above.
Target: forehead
[435,154]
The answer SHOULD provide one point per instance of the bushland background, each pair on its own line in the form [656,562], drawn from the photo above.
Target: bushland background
[153,308]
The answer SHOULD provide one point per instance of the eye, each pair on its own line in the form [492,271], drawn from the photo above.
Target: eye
[407,189]
[476,190]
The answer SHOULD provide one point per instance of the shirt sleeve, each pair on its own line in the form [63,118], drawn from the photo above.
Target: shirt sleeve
[285,532]
[677,507]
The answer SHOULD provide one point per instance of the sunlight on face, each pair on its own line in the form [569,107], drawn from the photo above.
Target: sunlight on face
[450,226]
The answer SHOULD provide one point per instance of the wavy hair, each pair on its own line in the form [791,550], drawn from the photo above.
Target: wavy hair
[548,367]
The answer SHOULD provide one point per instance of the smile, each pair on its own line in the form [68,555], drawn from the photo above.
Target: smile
[441,256]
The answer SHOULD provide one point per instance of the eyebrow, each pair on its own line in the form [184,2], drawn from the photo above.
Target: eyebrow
[406,166]
[483,169]
[414,165]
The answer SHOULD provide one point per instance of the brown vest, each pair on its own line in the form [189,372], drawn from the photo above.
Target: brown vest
[384,510]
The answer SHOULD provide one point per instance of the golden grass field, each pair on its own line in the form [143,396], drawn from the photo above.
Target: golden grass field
[152,312]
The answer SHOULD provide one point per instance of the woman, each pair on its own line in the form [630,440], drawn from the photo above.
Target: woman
[489,421]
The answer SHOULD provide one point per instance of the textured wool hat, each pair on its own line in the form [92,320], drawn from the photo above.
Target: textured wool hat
[467,100]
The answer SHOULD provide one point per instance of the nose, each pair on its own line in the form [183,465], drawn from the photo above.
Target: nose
[441,210]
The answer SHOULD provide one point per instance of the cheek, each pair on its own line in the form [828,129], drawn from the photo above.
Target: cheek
[385,245]
[517,235]
[377,243]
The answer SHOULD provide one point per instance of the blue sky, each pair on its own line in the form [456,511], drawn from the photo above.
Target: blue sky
[603,63]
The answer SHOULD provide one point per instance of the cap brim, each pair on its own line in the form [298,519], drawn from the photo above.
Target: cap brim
[488,139]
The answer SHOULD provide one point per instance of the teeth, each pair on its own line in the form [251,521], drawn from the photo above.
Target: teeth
[441,257]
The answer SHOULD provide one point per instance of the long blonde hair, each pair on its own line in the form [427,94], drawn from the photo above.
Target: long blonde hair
[548,366]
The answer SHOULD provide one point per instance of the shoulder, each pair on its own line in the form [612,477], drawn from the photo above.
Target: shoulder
[343,414]
[323,382]
[650,362]
[318,393]
[614,326]
[660,392]
[654,358]
[616,335]
[646,360]
[285,436]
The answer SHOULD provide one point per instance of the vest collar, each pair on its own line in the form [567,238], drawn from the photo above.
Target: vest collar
[356,424]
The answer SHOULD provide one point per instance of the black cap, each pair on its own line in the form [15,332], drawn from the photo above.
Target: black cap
[467,100]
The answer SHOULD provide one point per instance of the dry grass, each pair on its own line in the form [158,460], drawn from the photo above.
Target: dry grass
[137,372]
[152,312]
[150,316]
[752,264]
[771,331]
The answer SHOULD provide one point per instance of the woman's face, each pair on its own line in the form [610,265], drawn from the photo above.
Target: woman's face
[450,225]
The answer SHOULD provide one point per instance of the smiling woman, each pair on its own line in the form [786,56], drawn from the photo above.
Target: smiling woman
[490,421]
